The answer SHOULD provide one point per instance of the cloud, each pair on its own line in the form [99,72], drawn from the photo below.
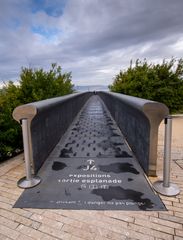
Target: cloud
[92,38]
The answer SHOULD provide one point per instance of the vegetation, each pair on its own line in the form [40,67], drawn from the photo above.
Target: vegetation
[157,82]
[34,85]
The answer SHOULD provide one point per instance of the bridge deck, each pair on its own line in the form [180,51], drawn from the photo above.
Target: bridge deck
[92,167]
[93,134]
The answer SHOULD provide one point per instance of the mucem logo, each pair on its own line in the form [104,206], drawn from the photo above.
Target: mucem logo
[90,165]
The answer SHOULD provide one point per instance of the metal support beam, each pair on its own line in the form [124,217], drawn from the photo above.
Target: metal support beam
[165,187]
[29,180]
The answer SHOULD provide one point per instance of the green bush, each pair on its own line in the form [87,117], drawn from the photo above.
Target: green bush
[10,131]
[34,85]
[157,82]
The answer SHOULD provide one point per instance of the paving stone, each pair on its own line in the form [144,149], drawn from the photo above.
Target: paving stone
[25,237]
[155,226]
[166,223]
[55,232]
[78,232]
[47,237]
[9,223]
[28,231]
[6,200]
[6,231]
[171,218]
[15,217]
[177,238]
[76,238]
[148,231]
[3,237]
[6,206]
[104,233]
[179,233]
[63,219]
[47,221]
[119,216]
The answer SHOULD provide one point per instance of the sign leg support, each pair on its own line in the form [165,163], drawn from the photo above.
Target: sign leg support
[165,187]
[29,180]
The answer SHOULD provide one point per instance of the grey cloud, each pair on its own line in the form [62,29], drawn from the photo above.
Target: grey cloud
[120,24]
[95,38]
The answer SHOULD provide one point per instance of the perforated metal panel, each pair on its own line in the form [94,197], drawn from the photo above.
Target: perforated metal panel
[94,134]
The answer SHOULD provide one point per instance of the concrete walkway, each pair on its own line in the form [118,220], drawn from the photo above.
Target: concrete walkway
[27,224]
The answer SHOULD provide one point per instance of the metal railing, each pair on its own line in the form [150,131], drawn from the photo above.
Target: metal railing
[138,120]
[165,187]
[29,180]
[43,124]
[26,113]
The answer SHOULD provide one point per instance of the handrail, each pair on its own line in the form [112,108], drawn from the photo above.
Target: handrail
[47,121]
[139,121]
[30,110]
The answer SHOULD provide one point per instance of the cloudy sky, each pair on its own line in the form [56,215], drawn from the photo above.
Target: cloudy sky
[92,38]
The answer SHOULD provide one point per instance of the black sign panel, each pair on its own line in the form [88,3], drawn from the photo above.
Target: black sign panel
[98,183]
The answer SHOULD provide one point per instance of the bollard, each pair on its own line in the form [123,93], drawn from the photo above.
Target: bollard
[165,187]
[29,180]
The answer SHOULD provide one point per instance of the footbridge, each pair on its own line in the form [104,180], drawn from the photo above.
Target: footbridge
[92,150]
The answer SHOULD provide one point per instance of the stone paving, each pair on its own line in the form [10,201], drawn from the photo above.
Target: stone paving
[29,224]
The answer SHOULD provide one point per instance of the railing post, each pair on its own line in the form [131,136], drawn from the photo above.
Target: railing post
[165,187]
[29,180]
